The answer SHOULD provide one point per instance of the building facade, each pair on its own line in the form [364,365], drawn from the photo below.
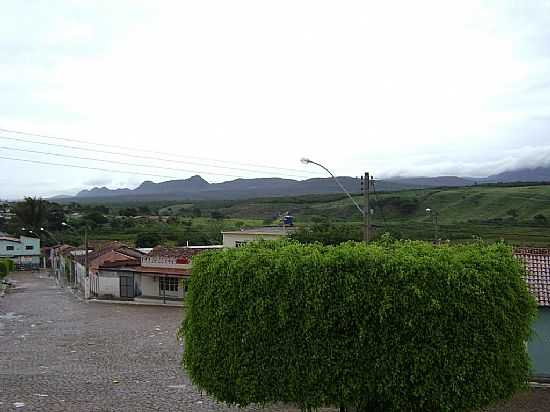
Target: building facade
[24,251]
[239,238]
[161,275]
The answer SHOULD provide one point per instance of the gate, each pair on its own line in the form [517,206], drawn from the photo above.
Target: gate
[127,286]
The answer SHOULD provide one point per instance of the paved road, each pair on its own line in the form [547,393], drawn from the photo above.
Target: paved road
[58,353]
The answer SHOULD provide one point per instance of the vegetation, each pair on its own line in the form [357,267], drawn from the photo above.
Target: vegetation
[148,239]
[6,266]
[393,326]
[514,213]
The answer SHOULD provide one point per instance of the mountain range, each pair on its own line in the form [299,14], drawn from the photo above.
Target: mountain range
[196,188]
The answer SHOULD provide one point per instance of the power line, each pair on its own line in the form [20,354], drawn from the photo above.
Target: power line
[142,157]
[86,167]
[112,161]
[156,152]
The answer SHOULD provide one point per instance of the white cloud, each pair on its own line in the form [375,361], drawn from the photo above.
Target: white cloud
[355,85]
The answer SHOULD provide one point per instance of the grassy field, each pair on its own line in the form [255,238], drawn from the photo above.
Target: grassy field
[520,215]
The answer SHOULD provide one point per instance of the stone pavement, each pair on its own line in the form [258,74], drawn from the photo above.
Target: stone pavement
[59,353]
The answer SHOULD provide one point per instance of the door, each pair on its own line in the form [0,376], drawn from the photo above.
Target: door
[127,286]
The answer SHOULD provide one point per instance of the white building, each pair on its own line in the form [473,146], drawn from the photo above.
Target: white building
[238,238]
[160,275]
[24,251]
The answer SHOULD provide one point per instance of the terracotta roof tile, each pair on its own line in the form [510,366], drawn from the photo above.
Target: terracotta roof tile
[109,247]
[537,263]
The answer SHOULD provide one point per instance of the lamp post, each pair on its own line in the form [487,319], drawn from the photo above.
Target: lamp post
[364,212]
[85,247]
[434,216]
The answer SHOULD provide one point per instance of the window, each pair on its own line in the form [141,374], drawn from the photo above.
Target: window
[29,247]
[9,247]
[240,243]
[168,284]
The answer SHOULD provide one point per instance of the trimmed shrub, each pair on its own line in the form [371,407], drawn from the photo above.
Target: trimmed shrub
[6,266]
[402,326]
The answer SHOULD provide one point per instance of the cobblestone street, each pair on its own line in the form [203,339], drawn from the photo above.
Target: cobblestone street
[59,353]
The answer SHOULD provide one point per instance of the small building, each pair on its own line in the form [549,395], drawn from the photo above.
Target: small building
[238,238]
[160,275]
[537,263]
[111,252]
[24,251]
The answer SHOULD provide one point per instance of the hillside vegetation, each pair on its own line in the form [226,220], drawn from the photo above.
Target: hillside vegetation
[518,214]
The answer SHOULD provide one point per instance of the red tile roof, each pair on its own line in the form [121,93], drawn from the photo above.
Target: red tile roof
[537,263]
[109,247]
[151,271]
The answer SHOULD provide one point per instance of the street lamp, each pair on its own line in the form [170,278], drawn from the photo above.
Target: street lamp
[306,161]
[364,212]
[434,216]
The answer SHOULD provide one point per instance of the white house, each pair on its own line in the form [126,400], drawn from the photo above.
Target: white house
[24,251]
[238,238]
[160,275]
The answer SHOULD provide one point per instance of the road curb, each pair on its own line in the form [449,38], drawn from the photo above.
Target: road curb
[122,302]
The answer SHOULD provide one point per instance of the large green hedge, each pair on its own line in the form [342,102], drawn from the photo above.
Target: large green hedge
[402,326]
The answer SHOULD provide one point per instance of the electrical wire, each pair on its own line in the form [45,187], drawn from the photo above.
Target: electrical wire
[157,159]
[81,141]
[113,161]
[86,167]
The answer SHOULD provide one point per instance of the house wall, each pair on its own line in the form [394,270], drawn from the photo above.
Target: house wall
[26,251]
[539,344]
[150,287]
[108,284]
[230,239]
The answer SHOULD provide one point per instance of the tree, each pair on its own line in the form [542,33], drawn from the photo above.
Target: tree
[144,210]
[216,215]
[128,212]
[540,219]
[327,234]
[55,216]
[513,213]
[101,209]
[32,213]
[148,239]
[96,218]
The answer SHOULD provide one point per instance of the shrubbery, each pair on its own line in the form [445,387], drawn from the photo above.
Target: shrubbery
[401,326]
[6,266]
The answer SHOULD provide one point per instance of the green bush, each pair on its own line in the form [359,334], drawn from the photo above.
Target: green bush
[402,326]
[6,266]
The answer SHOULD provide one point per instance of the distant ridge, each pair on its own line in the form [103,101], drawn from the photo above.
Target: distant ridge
[197,188]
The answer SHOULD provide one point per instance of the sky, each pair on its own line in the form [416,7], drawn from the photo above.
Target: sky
[239,89]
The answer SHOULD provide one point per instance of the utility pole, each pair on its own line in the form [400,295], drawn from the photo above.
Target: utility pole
[366,208]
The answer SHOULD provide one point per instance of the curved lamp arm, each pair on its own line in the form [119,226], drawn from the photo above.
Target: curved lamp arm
[307,161]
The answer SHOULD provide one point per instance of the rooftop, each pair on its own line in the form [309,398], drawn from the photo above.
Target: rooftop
[537,263]
[178,252]
[265,230]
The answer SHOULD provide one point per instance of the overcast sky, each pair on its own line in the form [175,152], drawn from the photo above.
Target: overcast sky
[409,88]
